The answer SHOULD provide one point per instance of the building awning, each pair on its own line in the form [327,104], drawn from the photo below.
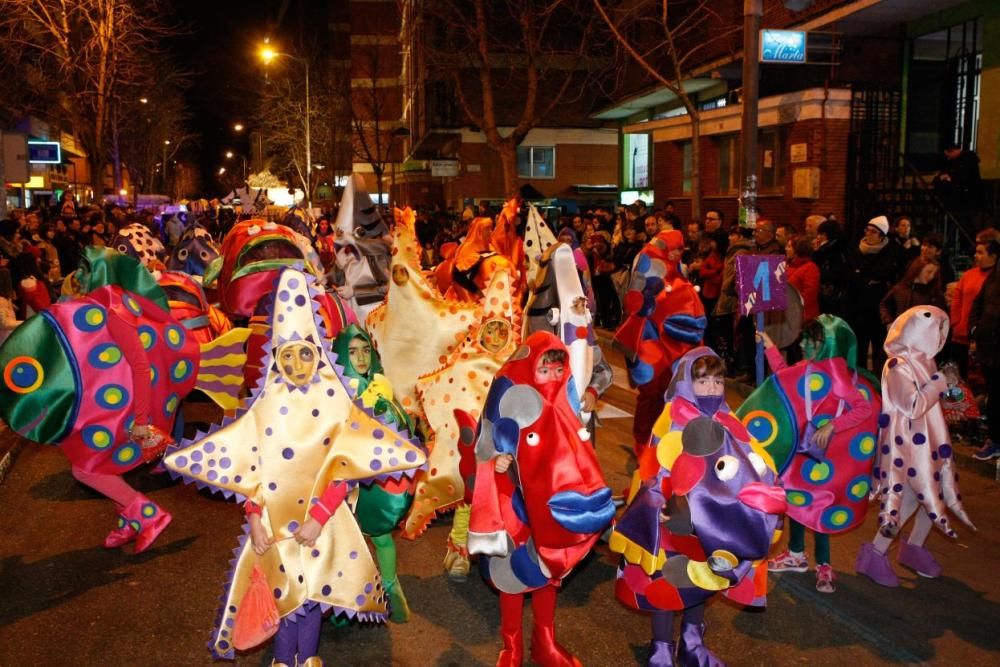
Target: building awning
[650,98]
[583,189]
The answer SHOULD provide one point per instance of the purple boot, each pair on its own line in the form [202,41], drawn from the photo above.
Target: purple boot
[920,560]
[875,566]
[661,654]
[692,651]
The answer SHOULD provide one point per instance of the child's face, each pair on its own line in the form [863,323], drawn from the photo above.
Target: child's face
[709,385]
[297,362]
[360,354]
[551,371]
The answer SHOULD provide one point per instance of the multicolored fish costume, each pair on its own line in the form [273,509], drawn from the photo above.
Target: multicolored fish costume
[295,436]
[827,491]
[702,514]
[190,306]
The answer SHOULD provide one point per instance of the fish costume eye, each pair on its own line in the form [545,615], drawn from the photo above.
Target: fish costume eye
[726,468]
[532,439]
[23,375]
[182,254]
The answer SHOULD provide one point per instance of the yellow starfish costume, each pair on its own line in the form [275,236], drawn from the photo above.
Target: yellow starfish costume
[298,433]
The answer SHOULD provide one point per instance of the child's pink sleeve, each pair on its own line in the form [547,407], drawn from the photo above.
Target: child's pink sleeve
[328,503]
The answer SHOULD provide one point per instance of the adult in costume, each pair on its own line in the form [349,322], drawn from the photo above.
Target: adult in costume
[295,450]
[539,501]
[381,504]
[664,319]
[914,471]
[703,511]
[362,250]
[819,421]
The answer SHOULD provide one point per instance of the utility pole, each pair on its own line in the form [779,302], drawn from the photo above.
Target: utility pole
[752,12]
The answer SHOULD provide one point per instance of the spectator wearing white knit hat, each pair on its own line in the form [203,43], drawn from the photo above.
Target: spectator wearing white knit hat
[874,269]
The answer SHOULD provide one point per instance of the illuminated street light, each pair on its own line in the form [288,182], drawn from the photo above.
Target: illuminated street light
[267,54]
[238,127]
[144,100]
[229,155]
[222,170]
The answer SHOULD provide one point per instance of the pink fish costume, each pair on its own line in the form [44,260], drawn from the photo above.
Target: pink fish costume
[296,450]
[537,519]
[914,470]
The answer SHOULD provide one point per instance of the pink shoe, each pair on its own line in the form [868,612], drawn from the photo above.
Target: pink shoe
[875,566]
[824,578]
[788,561]
[148,520]
[123,534]
[920,560]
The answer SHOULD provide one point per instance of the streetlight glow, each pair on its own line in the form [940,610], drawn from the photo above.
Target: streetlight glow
[222,170]
[229,155]
[238,127]
[144,100]
[267,54]
[166,142]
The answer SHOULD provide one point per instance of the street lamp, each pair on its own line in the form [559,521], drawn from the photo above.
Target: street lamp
[166,142]
[238,127]
[267,54]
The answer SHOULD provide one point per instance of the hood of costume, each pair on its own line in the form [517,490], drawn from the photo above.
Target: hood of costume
[664,314]
[828,490]
[191,308]
[915,452]
[539,519]
[717,489]
[460,386]
[195,250]
[361,253]
[415,329]
[538,238]
[292,438]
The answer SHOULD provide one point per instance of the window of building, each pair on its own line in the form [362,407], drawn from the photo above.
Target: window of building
[536,161]
[729,164]
[769,161]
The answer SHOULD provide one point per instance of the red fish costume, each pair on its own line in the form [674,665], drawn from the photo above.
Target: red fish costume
[537,520]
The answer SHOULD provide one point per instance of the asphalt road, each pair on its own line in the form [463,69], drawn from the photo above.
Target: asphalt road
[66,601]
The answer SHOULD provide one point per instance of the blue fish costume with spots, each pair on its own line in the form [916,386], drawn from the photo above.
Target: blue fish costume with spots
[67,382]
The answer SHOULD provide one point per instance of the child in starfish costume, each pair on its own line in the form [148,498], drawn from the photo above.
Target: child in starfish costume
[914,470]
[539,500]
[383,504]
[296,450]
[703,512]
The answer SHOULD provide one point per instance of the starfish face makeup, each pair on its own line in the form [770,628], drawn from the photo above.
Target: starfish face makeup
[297,362]
[494,335]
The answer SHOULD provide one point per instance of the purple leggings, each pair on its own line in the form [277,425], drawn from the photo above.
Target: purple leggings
[298,636]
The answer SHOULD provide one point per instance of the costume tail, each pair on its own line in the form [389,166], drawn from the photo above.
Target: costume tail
[220,375]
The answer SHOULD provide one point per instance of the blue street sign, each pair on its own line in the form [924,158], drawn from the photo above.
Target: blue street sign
[782,46]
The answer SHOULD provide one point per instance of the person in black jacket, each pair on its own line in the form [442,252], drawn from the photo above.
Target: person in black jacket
[873,269]
[831,258]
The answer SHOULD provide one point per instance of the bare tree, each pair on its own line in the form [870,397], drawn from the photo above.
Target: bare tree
[666,38]
[512,63]
[371,110]
[77,55]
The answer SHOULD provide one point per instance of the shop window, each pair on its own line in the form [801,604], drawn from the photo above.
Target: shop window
[686,168]
[536,162]
[637,161]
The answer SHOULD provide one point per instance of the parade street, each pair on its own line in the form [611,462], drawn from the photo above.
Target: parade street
[67,601]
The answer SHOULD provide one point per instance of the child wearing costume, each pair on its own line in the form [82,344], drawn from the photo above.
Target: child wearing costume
[703,511]
[296,449]
[829,383]
[914,472]
[383,504]
[539,501]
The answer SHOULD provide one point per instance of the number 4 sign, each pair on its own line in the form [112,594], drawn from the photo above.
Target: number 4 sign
[760,283]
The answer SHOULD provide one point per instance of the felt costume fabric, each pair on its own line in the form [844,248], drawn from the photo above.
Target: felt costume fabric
[460,385]
[827,490]
[189,305]
[915,449]
[68,380]
[297,433]
[703,508]
[381,504]
[536,521]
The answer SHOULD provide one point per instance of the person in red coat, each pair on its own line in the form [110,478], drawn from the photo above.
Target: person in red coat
[803,275]
[961,303]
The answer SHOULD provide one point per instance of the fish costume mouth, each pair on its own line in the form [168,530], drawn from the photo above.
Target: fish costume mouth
[582,513]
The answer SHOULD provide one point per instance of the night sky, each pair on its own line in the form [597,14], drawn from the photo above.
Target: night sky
[218,51]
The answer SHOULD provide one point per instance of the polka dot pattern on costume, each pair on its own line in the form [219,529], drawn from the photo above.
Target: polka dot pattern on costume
[817,472]
[174,336]
[97,437]
[111,396]
[836,517]
[181,371]
[104,356]
[89,318]
[862,446]
[147,336]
